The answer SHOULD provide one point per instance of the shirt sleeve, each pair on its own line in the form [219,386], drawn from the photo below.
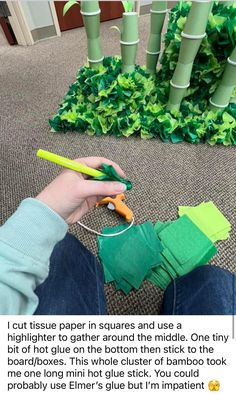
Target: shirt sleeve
[27,240]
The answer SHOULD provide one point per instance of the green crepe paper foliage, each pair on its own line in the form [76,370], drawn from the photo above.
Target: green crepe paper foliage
[111,175]
[211,59]
[105,101]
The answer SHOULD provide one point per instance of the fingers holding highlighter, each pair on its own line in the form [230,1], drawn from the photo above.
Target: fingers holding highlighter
[72,193]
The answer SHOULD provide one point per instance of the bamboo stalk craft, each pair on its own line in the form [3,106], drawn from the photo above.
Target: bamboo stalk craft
[191,38]
[90,12]
[122,98]
[129,41]
[158,12]
[129,37]
[223,93]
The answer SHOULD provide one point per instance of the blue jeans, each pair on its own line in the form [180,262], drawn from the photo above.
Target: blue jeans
[207,290]
[75,286]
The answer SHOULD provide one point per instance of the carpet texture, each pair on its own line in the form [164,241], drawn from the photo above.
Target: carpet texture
[32,82]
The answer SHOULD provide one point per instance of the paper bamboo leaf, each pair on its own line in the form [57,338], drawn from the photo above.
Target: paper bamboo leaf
[68,5]
[115,28]
[128,5]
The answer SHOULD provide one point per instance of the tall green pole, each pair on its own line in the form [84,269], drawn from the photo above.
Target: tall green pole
[158,12]
[192,35]
[223,93]
[129,41]
[90,12]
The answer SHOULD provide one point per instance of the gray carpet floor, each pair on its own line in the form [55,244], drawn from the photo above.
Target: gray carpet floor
[33,81]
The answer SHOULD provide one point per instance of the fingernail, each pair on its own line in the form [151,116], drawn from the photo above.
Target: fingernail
[120,187]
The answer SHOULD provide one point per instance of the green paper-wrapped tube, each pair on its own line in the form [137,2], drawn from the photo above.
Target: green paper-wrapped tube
[223,93]
[90,12]
[158,13]
[129,41]
[176,95]
[192,35]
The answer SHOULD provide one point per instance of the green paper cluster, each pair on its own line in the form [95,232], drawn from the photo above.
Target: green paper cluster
[211,59]
[185,247]
[163,252]
[105,101]
[128,258]
[209,220]
[111,175]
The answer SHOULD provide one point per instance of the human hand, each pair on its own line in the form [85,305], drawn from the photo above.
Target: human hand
[72,194]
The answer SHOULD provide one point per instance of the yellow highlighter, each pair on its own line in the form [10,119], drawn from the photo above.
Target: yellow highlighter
[115,204]
[67,163]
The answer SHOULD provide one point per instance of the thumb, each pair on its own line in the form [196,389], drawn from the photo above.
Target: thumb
[99,188]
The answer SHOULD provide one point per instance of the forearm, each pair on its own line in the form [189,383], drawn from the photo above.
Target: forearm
[26,243]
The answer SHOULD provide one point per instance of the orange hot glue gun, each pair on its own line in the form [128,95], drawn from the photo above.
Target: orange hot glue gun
[116,204]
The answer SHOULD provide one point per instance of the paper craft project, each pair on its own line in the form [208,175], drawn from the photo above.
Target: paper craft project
[128,258]
[111,175]
[163,252]
[185,247]
[189,97]
[209,219]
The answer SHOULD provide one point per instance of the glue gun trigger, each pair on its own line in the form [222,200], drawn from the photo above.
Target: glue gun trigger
[111,206]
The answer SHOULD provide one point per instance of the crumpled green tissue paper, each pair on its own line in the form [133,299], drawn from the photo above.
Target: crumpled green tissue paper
[128,258]
[103,101]
[111,175]
[209,219]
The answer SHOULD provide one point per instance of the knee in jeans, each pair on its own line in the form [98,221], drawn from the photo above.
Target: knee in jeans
[213,276]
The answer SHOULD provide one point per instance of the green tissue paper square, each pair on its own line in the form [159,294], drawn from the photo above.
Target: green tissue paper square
[159,226]
[185,247]
[159,277]
[129,257]
[209,219]
[123,285]
[188,247]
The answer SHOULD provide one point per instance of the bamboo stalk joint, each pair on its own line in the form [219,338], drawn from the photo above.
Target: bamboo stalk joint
[179,86]
[159,12]
[129,42]
[95,61]
[231,62]
[193,36]
[90,13]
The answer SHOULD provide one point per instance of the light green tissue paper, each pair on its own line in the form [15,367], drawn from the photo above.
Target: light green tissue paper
[209,219]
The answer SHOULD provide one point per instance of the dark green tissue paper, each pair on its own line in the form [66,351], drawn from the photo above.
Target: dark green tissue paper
[128,258]
[111,175]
